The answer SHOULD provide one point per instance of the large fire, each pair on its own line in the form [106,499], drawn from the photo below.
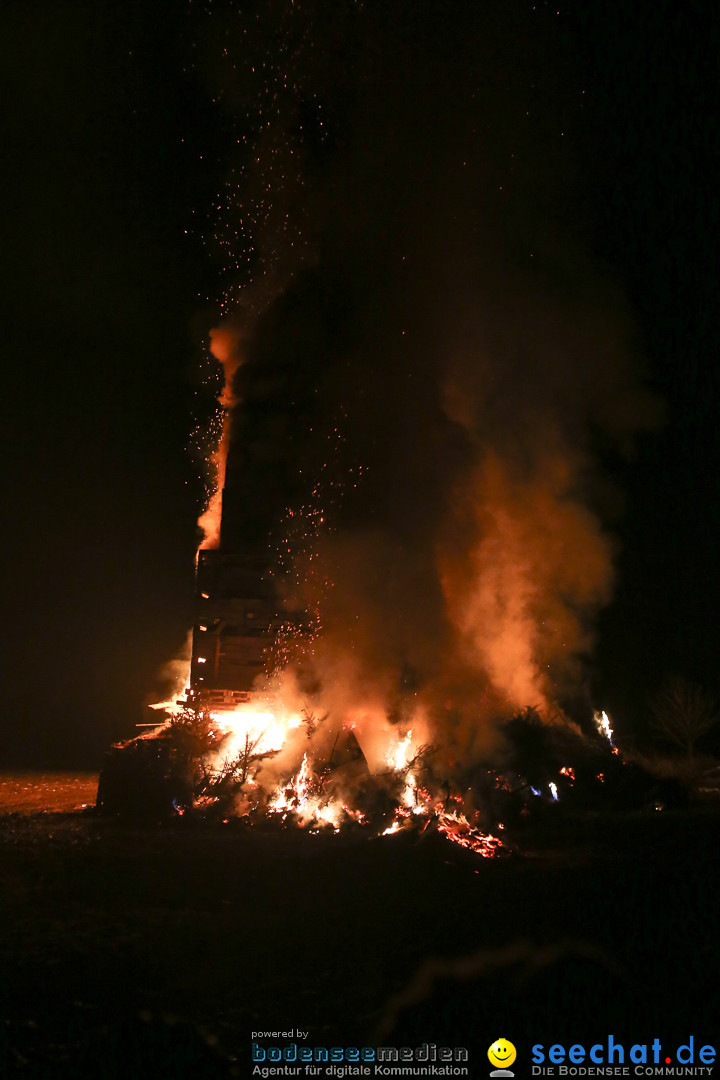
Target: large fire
[358,748]
[272,759]
[365,758]
[281,763]
[412,462]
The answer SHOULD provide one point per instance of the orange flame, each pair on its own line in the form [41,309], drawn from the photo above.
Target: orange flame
[224,344]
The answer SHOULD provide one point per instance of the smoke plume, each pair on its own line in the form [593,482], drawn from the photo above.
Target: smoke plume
[430,384]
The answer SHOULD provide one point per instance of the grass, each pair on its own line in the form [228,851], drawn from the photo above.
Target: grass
[139,950]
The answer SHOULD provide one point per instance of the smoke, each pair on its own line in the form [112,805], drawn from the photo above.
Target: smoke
[174,676]
[430,393]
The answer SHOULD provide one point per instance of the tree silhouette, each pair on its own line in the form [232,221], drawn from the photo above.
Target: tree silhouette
[683,712]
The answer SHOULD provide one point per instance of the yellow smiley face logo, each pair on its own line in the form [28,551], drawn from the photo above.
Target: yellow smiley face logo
[502,1053]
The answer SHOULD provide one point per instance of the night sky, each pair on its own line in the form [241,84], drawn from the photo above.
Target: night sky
[115,271]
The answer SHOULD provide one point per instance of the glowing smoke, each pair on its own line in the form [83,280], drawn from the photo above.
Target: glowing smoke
[470,356]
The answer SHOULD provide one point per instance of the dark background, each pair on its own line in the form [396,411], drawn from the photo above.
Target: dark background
[114,151]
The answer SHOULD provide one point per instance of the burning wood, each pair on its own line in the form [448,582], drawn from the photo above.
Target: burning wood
[457,828]
[274,759]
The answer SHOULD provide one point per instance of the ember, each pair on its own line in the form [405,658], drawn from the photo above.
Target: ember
[457,828]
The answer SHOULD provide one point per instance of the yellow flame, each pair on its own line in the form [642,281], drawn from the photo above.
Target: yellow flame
[248,726]
[602,723]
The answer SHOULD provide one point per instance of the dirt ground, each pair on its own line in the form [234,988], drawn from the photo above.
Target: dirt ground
[148,949]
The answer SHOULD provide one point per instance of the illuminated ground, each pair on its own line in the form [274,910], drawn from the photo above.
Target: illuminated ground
[23,792]
[157,950]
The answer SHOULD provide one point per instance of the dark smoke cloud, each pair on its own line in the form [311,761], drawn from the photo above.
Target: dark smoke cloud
[435,377]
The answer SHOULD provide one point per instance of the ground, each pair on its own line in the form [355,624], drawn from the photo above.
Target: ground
[149,949]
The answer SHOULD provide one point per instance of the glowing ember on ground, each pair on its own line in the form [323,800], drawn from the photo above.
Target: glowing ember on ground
[457,828]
